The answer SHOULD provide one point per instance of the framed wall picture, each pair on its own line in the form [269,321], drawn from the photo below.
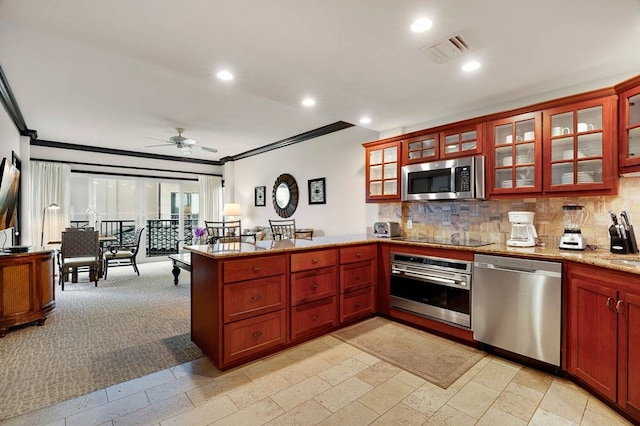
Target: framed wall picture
[259,192]
[317,191]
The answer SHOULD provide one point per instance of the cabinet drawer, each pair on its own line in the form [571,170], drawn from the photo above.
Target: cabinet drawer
[313,260]
[255,267]
[357,253]
[312,317]
[356,304]
[251,336]
[250,298]
[356,275]
[313,285]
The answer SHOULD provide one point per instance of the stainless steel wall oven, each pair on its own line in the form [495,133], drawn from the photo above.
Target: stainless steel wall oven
[433,287]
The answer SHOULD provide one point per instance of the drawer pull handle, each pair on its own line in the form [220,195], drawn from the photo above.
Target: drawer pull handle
[257,334]
[314,317]
[610,303]
[314,286]
[357,277]
[256,269]
[619,306]
[358,304]
[314,261]
[256,297]
[358,254]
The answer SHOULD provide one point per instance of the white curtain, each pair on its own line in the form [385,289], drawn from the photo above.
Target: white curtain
[210,198]
[49,184]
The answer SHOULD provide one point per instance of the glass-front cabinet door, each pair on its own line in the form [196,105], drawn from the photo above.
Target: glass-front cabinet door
[421,149]
[579,146]
[461,142]
[516,154]
[383,171]
[630,130]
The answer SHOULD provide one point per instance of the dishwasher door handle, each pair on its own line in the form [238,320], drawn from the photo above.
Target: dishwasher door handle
[517,270]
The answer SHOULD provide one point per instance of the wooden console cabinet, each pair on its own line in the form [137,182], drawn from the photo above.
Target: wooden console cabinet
[27,290]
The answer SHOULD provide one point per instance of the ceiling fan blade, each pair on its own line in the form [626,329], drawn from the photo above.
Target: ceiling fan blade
[165,144]
[204,148]
[156,139]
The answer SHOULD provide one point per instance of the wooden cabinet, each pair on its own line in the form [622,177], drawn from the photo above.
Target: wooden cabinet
[461,141]
[27,290]
[357,282]
[580,151]
[629,126]
[603,333]
[383,171]
[514,160]
[239,307]
[313,292]
[419,149]
[629,352]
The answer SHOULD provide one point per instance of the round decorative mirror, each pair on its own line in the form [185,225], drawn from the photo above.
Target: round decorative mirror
[285,195]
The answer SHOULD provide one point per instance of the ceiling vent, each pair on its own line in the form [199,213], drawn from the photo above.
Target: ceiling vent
[448,49]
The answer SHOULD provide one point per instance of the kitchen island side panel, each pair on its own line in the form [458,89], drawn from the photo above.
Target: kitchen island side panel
[206,297]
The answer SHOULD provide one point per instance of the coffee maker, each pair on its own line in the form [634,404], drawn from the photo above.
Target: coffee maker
[574,217]
[523,233]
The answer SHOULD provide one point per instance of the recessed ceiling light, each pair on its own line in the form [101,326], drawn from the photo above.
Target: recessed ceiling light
[471,66]
[421,25]
[365,120]
[224,75]
[308,102]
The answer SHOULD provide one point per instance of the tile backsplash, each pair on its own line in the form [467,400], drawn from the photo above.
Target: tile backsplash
[489,221]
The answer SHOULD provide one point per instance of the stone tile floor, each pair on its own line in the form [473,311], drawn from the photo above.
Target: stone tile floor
[328,382]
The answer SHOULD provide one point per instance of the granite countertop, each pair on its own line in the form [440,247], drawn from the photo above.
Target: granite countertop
[599,257]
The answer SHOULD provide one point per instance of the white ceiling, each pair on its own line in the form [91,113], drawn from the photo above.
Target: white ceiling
[114,73]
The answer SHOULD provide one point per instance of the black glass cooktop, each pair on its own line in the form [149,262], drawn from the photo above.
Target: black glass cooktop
[451,242]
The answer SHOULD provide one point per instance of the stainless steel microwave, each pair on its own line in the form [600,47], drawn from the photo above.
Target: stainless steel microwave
[458,178]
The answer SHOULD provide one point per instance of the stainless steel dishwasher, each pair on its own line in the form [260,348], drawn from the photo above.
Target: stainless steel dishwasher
[516,306]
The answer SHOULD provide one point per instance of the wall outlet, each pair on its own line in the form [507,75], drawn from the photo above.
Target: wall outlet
[409,224]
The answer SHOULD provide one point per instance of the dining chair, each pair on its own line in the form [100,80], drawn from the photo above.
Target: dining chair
[79,250]
[223,232]
[123,254]
[283,229]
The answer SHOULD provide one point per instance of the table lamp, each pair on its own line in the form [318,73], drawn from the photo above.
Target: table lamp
[232,210]
[52,206]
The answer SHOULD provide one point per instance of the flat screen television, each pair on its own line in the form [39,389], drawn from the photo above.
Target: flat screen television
[9,189]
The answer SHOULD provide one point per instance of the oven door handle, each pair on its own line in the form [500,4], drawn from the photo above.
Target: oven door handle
[431,278]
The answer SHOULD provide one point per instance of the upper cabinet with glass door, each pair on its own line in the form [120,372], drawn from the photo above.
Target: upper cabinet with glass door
[579,151]
[630,129]
[382,171]
[421,148]
[460,142]
[514,159]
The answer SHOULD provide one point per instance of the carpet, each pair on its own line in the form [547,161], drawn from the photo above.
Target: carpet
[127,327]
[433,358]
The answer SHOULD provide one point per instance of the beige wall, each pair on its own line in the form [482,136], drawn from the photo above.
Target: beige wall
[489,220]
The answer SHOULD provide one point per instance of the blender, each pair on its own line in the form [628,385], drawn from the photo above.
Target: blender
[574,218]
[523,233]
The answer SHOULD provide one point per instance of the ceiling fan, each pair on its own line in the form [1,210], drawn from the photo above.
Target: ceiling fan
[183,144]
